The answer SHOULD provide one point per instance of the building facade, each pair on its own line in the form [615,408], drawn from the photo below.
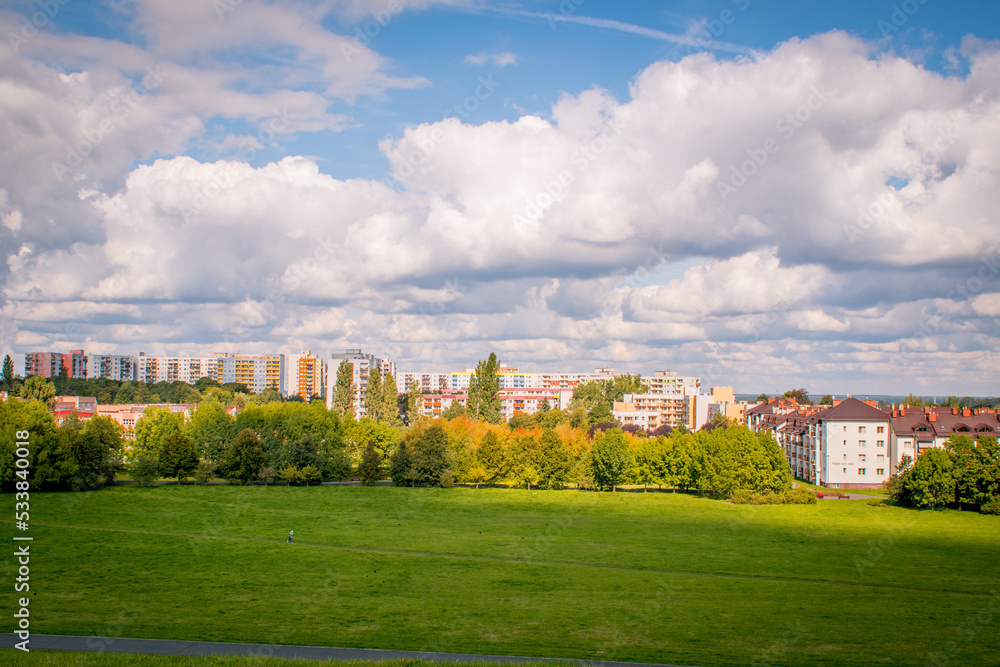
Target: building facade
[306,375]
[120,367]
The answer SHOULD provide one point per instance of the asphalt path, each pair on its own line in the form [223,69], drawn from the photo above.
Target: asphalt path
[173,647]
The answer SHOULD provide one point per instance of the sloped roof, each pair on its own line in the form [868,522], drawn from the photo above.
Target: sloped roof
[852,409]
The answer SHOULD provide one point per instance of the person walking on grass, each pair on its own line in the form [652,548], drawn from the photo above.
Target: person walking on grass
[291,537]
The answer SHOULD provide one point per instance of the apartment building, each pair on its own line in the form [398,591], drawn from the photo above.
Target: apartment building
[915,430]
[153,369]
[362,366]
[120,367]
[430,381]
[257,372]
[307,375]
[128,414]
[53,364]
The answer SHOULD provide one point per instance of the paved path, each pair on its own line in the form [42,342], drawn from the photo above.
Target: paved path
[170,647]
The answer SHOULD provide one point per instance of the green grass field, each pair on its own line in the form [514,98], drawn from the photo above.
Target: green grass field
[654,577]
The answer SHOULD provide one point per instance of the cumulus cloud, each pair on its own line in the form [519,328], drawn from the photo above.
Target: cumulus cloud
[832,195]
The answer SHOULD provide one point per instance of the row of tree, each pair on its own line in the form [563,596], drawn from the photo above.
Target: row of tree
[965,473]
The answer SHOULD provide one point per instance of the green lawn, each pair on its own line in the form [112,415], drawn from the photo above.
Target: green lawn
[650,577]
[63,658]
[884,493]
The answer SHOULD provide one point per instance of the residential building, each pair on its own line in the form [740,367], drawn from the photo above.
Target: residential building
[128,414]
[306,375]
[915,430]
[670,383]
[83,407]
[54,364]
[362,366]
[257,371]
[120,367]
[175,369]
[428,381]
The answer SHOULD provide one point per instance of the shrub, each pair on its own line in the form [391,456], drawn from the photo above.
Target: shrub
[992,507]
[145,470]
[204,472]
[802,496]
[742,496]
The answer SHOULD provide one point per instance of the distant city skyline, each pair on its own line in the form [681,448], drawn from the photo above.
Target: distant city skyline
[767,195]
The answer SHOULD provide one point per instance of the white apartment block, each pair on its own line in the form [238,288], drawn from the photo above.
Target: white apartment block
[430,382]
[670,383]
[119,367]
[362,366]
[174,369]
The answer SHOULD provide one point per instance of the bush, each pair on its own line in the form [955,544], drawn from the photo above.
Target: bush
[145,470]
[992,507]
[799,496]
[204,472]
[802,496]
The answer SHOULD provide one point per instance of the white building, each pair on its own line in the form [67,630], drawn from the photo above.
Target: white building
[173,369]
[119,367]
[362,366]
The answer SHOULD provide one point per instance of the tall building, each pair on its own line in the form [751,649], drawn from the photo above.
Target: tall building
[174,369]
[362,366]
[306,375]
[119,367]
[257,371]
[53,364]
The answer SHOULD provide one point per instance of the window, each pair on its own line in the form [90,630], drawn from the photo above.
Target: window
[861,457]
[845,469]
[861,471]
[861,429]
[880,443]
[880,429]
[879,471]
[881,458]
[862,443]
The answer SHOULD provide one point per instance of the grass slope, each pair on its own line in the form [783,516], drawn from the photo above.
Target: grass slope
[654,577]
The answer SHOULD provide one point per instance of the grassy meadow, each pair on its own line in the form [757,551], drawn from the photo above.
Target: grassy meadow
[645,577]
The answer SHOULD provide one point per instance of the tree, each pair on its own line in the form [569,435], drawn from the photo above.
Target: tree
[414,402]
[524,460]
[930,482]
[762,398]
[152,429]
[336,467]
[401,466]
[343,390]
[390,401]
[801,396]
[211,427]
[374,399]
[493,456]
[203,473]
[178,456]
[552,461]
[430,457]
[826,400]
[37,388]
[290,475]
[243,458]
[610,460]
[145,470]
[370,469]
[110,435]
[311,474]
[7,378]
[454,410]
[484,391]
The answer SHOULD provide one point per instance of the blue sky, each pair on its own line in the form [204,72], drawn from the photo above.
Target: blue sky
[283,184]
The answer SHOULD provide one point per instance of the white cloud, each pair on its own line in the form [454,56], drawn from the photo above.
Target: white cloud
[543,220]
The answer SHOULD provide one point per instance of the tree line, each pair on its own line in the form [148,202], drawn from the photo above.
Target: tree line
[965,474]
